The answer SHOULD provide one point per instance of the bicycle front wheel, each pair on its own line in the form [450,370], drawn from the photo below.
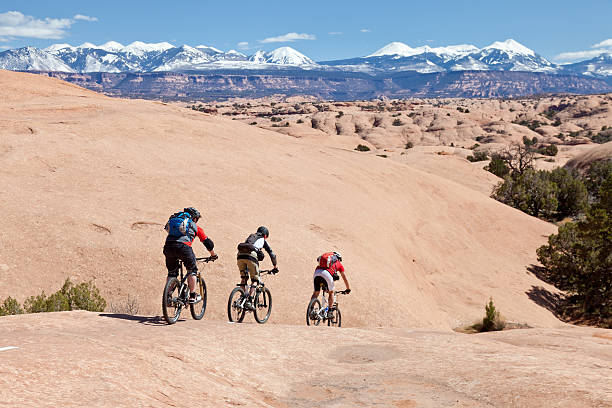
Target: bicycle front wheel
[171,305]
[312,312]
[335,319]
[235,305]
[263,305]
[198,309]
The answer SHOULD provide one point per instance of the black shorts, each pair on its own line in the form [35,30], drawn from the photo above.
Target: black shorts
[179,251]
[318,281]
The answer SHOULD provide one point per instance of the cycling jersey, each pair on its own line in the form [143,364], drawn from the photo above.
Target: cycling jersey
[334,268]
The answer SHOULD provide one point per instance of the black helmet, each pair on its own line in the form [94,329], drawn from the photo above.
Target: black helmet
[338,256]
[195,214]
[263,231]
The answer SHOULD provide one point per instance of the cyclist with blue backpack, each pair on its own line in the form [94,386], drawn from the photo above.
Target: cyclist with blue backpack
[182,229]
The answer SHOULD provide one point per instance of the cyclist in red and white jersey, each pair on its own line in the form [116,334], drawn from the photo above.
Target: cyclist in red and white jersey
[326,272]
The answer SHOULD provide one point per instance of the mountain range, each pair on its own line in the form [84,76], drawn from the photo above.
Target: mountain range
[139,57]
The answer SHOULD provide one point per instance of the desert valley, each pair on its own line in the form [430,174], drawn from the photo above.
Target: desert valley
[87,182]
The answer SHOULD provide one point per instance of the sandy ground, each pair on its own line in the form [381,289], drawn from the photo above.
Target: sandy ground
[85,359]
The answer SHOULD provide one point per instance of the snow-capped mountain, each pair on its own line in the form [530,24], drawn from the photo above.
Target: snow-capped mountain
[138,56]
[32,59]
[598,66]
[508,55]
[282,56]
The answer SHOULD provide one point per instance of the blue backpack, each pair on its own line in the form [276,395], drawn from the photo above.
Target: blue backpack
[178,224]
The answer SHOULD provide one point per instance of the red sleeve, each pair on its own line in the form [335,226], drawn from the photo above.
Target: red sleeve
[201,234]
[339,267]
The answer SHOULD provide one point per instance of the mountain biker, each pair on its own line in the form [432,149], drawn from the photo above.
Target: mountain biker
[326,273]
[249,255]
[178,246]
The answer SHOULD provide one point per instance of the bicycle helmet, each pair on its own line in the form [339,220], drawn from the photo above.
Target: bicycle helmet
[195,214]
[338,256]
[263,231]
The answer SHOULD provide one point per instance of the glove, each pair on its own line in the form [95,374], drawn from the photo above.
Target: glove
[347,291]
[214,257]
[275,270]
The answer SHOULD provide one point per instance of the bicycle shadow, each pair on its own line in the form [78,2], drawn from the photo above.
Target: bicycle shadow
[146,320]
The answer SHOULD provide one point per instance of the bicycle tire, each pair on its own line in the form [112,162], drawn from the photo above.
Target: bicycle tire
[170,307]
[312,312]
[234,313]
[336,319]
[201,306]
[263,301]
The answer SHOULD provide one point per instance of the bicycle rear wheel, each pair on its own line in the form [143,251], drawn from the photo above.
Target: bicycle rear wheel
[198,309]
[171,306]
[235,303]
[263,305]
[335,319]
[312,312]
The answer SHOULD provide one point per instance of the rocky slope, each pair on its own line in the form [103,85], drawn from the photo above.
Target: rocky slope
[93,179]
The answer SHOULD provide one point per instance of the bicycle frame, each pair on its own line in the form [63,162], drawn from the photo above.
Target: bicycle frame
[325,303]
[183,280]
[259,287]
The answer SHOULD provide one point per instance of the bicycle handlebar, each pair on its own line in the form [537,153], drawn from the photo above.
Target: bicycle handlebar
[208,259]
[269,272]
[341,292]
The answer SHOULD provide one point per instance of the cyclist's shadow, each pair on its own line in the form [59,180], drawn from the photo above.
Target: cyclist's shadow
[147,320]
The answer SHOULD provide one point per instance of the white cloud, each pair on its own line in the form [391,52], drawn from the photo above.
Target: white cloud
[335,33]
[289,37]
[243,45]
[16,24]
[85,18]
[604,44]
[365,30]
[597,49]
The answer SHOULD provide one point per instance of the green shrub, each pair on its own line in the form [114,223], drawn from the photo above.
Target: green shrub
[10,306]
[601,138]
[577,259]
[83,296]
[382,155]
[397,122]
[492,320]
[550,150]
[571,192]
[362,148]
[409,145]
[299,121]
[253,123]
[596,174]
[480,155]
[531,192]
[275,119]
[498,166]
[340,114]
[530,142]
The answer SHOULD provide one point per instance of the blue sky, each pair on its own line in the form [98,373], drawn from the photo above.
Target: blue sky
[322,30]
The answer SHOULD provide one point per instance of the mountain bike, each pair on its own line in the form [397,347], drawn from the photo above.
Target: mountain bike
[176,295]
[315,313]
[261,301]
